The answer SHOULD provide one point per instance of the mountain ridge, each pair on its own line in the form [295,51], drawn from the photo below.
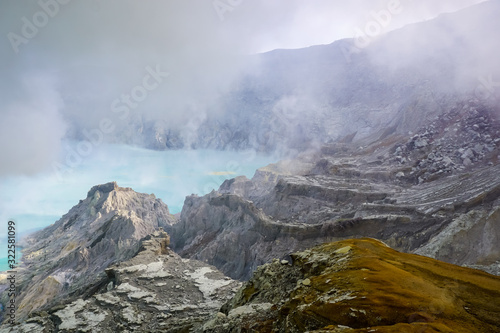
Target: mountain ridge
[64,259]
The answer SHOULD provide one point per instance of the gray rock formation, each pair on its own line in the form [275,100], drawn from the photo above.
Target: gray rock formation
[416,197]
[67,259]
[155,291]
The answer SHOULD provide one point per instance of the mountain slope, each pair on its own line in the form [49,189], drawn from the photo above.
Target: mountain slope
[68,258]
[362,286]
[155,291]
[292,100]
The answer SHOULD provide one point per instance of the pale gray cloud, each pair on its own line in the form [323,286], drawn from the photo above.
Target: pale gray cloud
[267,25]
[65,59]
[31,128]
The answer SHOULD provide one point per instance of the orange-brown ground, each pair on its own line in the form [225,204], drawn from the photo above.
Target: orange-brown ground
[361,285]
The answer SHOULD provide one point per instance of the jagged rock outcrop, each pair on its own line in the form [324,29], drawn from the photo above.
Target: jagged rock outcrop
[362,286]
[155,291]
[414,192]
[67,259]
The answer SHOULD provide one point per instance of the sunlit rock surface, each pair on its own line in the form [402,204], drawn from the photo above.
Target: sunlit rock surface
[67,259]
[362,285]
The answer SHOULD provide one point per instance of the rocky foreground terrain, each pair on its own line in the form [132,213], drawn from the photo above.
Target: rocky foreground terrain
[362,286]
[350,286]
[155,291]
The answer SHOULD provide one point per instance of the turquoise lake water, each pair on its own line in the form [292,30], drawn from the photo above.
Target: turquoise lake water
[38,201]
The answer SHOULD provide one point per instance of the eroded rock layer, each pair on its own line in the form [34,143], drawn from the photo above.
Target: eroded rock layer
[435,192]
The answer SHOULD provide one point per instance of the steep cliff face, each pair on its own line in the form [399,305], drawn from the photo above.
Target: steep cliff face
[435,192]
[362,286]
[67,259]
[235,236]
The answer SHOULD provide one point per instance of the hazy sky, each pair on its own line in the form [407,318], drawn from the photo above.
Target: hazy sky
[250,25]
[74,57]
